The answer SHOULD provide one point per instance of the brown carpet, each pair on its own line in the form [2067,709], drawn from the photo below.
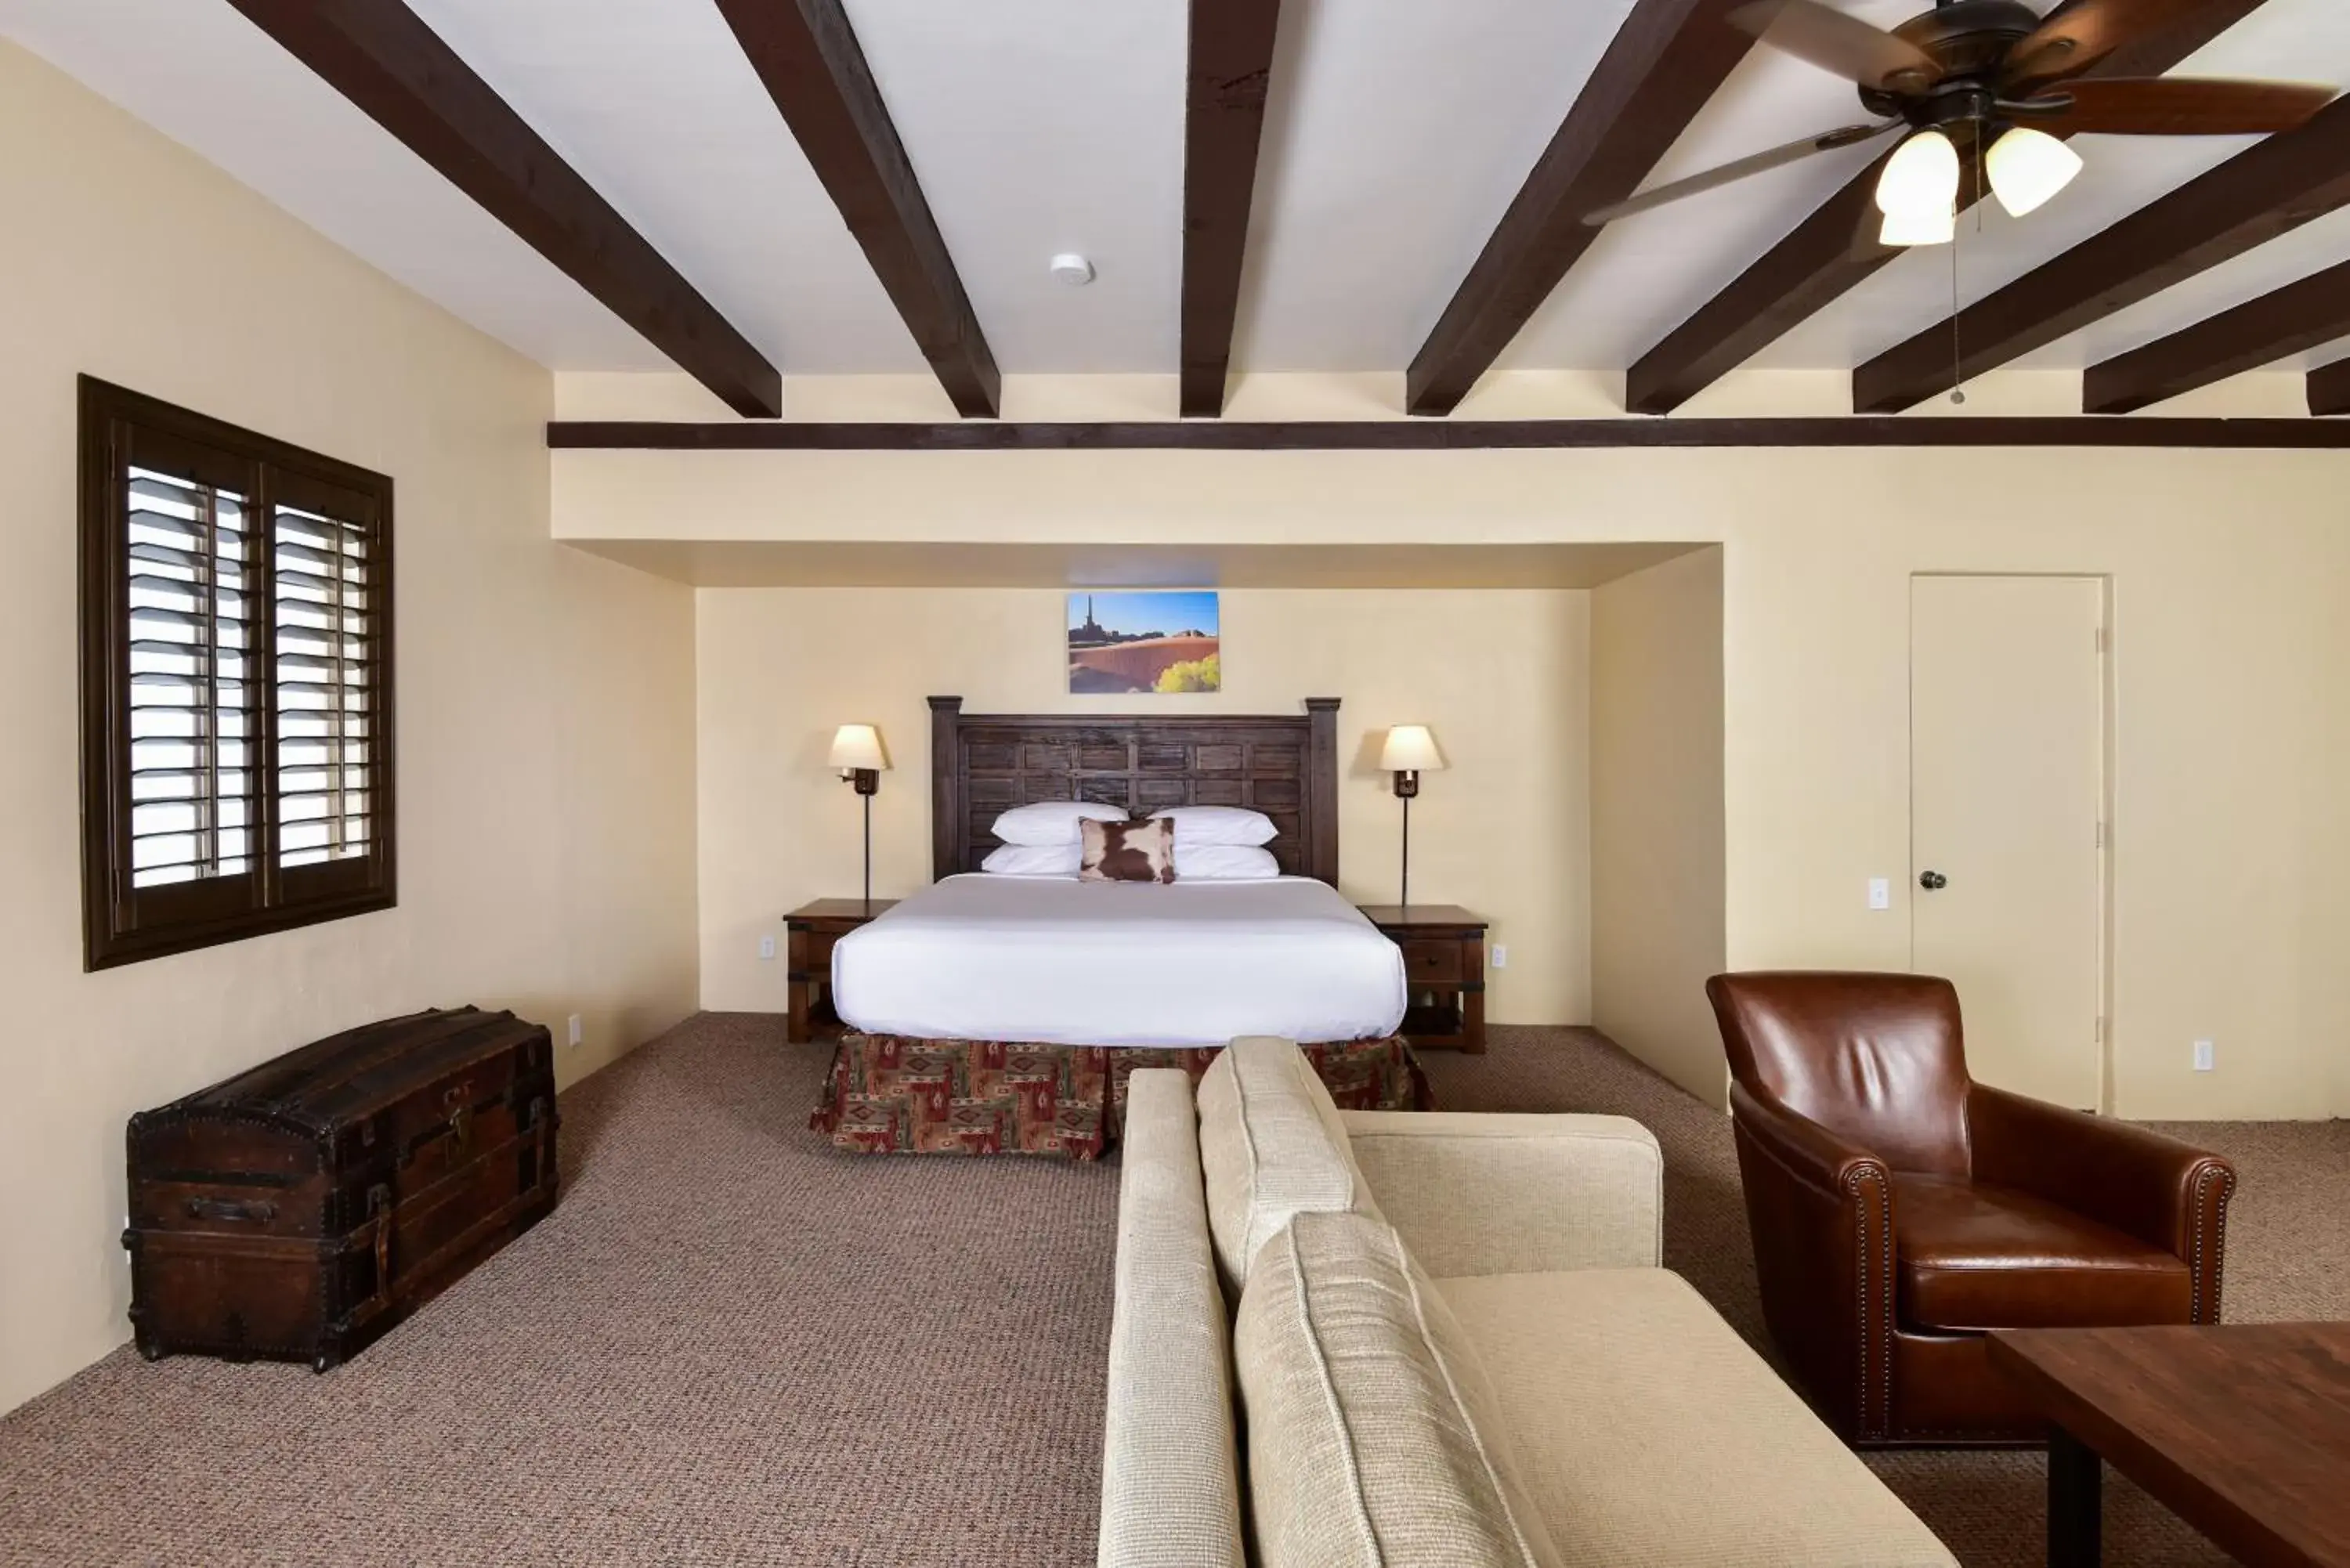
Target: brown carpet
[731,1346]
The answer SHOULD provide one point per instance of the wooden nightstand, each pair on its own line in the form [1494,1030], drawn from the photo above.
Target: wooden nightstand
[1443,970]
[814,928]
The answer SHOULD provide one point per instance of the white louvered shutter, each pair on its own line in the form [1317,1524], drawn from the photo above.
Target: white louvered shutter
[192,697]
[322,619]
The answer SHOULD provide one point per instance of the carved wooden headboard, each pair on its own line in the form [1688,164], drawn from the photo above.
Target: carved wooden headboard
[1285,766]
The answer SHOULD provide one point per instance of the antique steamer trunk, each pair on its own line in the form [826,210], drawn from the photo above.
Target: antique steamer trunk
[297,1211]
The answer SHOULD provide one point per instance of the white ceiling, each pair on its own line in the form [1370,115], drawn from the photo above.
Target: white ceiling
[1397,134]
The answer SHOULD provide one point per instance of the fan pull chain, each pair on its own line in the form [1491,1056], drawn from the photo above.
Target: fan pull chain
[1958,375]
[1957,357]
[1982,185]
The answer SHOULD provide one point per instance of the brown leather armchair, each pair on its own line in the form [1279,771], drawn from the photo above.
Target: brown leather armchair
[1899,1209]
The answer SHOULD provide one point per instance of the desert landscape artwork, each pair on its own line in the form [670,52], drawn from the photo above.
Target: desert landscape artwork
[1153,641]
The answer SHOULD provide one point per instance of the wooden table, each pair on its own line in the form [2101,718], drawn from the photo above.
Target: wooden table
[1444,970]
[813,928]
[2242,1430]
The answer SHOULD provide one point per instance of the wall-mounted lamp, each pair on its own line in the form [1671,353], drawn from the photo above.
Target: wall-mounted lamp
[856,753]
[1410,751]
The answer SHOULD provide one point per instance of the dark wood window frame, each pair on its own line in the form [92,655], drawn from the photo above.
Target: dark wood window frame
[125,921]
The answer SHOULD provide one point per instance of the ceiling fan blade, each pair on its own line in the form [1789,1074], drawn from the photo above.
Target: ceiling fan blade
[2080,33]
[2183,106]
[1712,179]
[1840,45]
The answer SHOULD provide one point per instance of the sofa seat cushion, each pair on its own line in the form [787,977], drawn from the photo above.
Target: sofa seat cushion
[1271,1146]
[1650,1435]
[1373,1436]
[1972,1257]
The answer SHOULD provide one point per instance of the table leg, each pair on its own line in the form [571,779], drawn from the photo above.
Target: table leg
[2075,1501]
[795,954]
[1472,997]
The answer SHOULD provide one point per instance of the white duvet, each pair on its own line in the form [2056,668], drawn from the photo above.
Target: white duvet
[1058,962]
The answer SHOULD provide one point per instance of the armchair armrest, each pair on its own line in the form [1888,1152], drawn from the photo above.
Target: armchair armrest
[1820,1208]
[1805,1150]
[1491,1193]
[2165,1193]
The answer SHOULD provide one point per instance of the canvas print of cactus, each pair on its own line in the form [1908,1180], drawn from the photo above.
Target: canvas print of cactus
[1155,642]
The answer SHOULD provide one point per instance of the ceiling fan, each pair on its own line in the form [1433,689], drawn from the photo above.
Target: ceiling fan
[1996,80]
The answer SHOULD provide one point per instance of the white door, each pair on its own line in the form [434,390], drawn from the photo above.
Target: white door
[2006,771]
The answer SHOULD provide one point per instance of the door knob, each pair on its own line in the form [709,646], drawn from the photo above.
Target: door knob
[1933,881]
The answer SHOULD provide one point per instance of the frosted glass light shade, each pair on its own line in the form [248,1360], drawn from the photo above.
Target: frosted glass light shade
[1920,229]
[1920,179]
[2027,167]
[858,746]
[1410,749]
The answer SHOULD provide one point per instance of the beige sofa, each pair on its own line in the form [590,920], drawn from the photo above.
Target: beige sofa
[1389,1339]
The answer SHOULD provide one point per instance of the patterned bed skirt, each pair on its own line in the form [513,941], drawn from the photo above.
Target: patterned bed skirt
[889,1095]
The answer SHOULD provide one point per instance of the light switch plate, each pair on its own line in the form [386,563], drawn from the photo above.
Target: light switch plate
[1880,892]
[2206,1056]
[1501,956]
[767,946]
[577,1032]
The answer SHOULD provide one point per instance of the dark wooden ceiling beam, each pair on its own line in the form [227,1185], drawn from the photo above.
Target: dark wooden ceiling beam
[2329,388]
[1835,249]
[383,56]
[1230,66]
[1452,435]
[2291,320]
[807,56]
[1822,258]
[1668,58]
[2270,189]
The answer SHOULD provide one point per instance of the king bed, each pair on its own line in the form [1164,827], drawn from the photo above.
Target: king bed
[992,1013]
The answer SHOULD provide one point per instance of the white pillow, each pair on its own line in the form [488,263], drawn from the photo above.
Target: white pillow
[1034,859]
[1052,821]
[1197,825]
[1223,863]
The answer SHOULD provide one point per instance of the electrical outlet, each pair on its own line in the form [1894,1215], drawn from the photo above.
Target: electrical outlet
[1501,956]
[767,947]
[577,1032]
[2206,1056]
[1880,892]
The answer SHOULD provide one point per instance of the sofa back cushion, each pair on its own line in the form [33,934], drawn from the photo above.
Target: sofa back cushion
[1271,1146]
[1171,1481]
[1373,1434]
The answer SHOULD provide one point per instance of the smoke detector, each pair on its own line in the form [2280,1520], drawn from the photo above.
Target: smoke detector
[1072,269]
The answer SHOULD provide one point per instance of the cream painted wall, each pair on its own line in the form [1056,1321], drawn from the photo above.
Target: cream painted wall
[2324,789]
[1657,864]
[546,737]
[1500,675]
[2231,756]
[2228,773]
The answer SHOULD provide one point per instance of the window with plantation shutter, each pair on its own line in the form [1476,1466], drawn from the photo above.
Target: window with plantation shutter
[236,681]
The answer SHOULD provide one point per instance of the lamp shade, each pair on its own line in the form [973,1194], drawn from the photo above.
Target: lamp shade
[2027,167]
[858,746]
[1922,178]
[1919,229]
[1410,749]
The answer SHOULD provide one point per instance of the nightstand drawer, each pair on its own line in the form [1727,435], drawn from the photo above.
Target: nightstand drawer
[1431,962]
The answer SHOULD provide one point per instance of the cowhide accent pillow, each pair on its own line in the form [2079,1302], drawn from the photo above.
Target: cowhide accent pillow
[1128,852]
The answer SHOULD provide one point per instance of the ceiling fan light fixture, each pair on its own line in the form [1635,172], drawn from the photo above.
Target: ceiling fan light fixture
[2027,168]
[1920,182]
[1919,228]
